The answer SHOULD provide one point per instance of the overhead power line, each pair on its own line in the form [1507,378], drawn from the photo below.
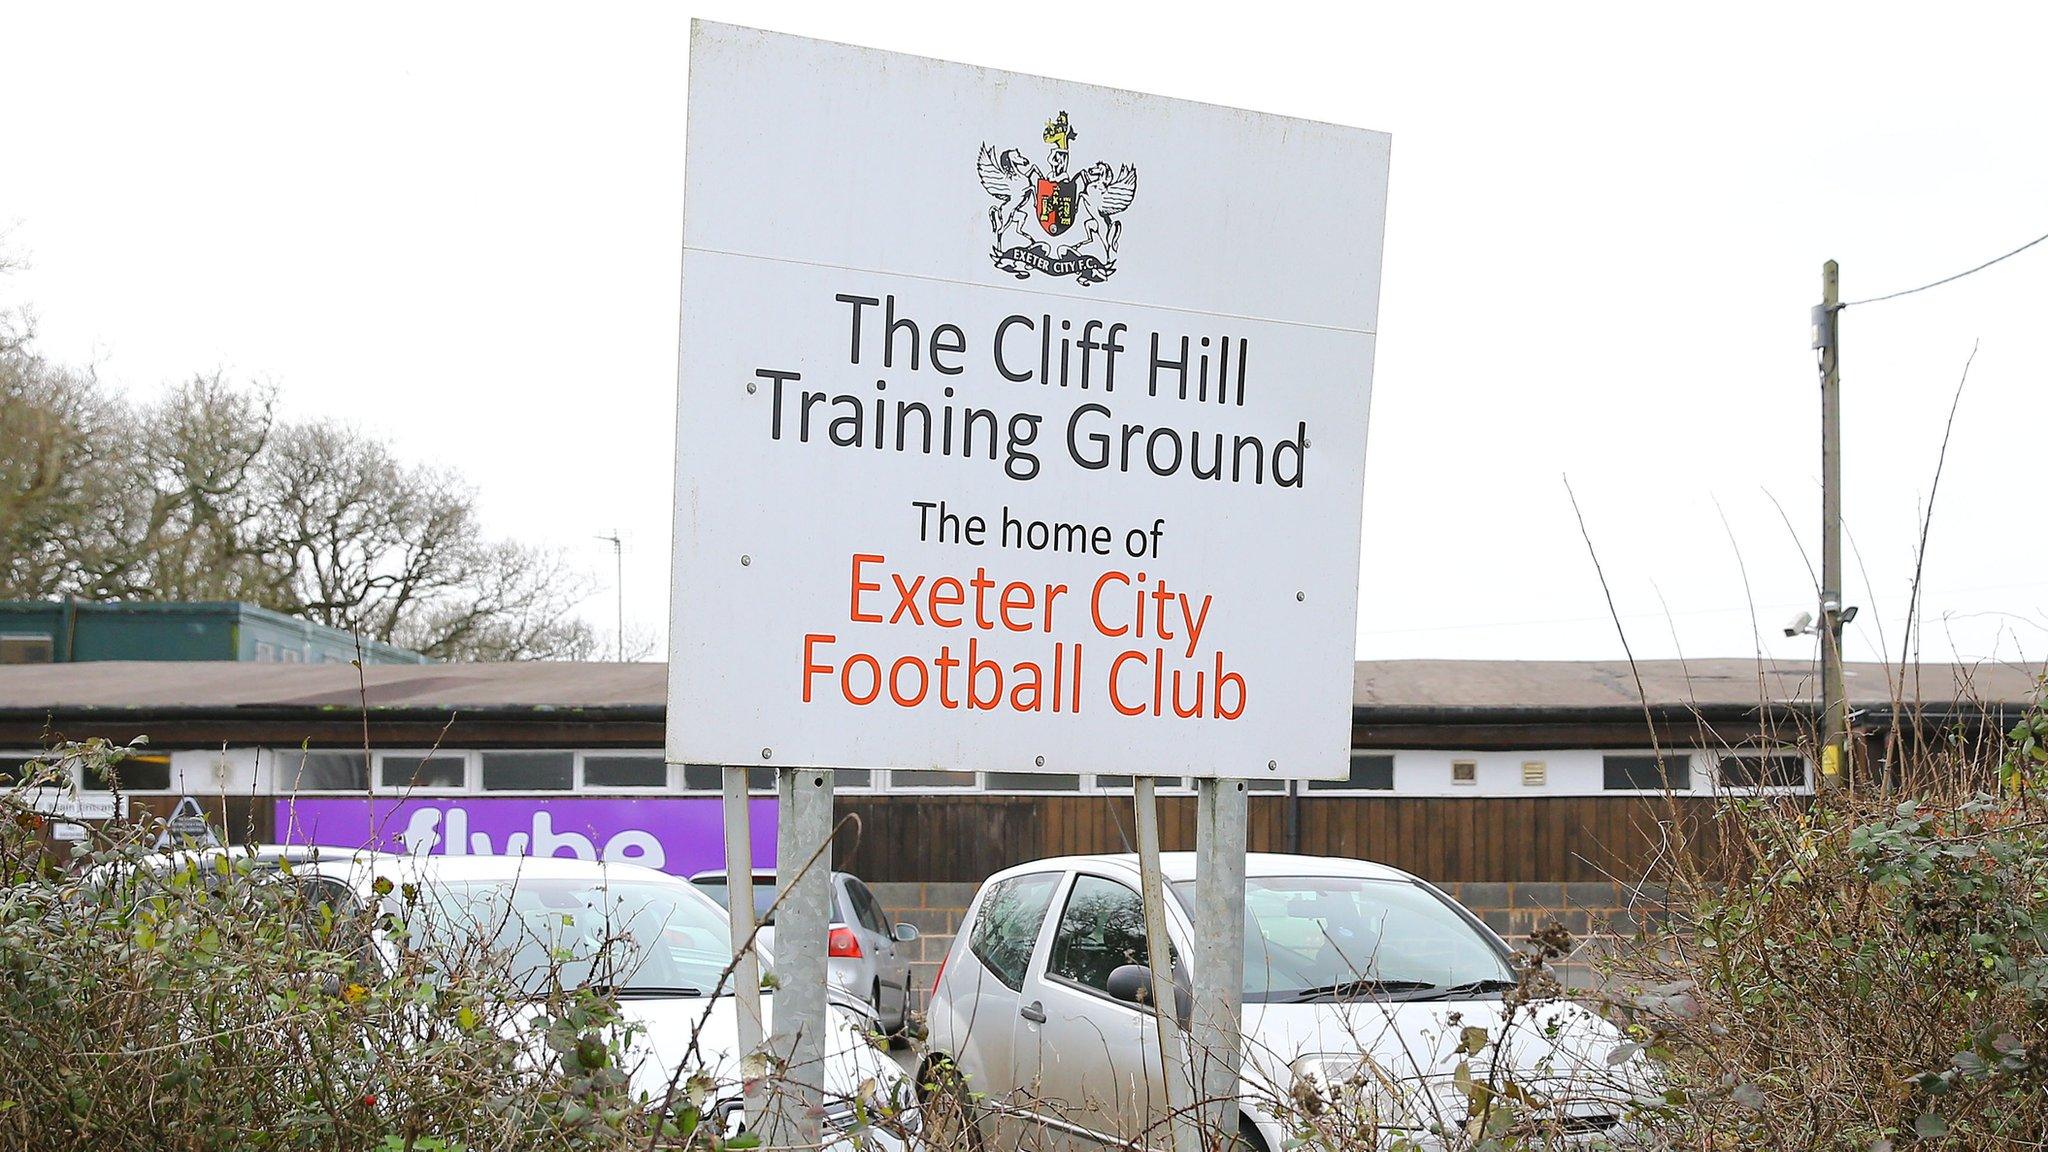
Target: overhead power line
[1948,279]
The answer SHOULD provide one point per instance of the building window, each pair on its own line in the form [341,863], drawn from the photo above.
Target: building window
[1465,772]
[624,771]
[1031,782]
[1370,772]
[14,768]
[926,779]
[1671,772]
[407,772]
[323,771]
[711,778]
[1762,770]
[150,772]
[528,771]
[851,779]
[29,648]
[1163,784]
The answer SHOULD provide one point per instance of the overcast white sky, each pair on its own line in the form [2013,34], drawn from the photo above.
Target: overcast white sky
[460,227]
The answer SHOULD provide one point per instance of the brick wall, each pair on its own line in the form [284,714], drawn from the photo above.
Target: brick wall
[935,909]
[1596,914]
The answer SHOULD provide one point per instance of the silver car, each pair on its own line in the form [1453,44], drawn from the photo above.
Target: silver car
[864,950]
[1349,966]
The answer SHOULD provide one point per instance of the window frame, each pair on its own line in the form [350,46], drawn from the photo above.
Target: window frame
[468,787]
[1345,787]
[1805,787]
[24,638]
[1042,959]
[16,762]
[971,787]
[584,787]
[81,783]
[1164,785]
[1674,788]
[480,788]
[1061,882]
[1079,787]
[284,765]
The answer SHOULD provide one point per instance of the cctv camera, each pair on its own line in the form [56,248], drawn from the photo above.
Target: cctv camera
[1799,624]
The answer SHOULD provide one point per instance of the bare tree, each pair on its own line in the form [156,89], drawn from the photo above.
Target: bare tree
[394,552]
[205,495]
[57,429]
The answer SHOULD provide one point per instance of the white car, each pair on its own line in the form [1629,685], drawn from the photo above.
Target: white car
[669,944]
[1362,984]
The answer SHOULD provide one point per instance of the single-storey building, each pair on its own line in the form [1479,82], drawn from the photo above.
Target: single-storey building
[1462,771]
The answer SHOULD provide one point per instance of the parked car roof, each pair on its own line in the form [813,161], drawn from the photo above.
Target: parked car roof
[1180,866]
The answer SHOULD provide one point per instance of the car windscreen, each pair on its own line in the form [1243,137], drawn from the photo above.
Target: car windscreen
[764,895]
[1314,939]
[629,936]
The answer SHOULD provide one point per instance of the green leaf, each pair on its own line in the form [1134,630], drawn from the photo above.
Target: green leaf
[1930,1126]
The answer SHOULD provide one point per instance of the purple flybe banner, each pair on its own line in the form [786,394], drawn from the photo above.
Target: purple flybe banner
[680,835]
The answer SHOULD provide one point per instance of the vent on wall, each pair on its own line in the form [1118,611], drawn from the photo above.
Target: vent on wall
[1533,773]
[33,648]
[1464,772]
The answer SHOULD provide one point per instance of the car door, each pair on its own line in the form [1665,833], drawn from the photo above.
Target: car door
[977,1018]
[1094,1059]
[891,966]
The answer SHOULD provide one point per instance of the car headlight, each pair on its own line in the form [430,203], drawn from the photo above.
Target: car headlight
[1364,1092]
[1345,1083]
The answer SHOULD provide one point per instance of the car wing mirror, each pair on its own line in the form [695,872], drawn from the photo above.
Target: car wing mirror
[1132,983]
[904,933]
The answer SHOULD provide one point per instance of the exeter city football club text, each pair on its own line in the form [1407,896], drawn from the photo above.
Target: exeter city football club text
[1164,677]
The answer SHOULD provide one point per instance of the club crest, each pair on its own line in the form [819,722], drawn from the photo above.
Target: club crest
[1054,220]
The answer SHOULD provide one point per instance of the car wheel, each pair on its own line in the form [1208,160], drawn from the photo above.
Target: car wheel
[949,1120]
[898,1036]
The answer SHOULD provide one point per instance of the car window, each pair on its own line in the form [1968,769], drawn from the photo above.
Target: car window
[864,907]
[1101,930]
[764,894]
[569,932]
[1006,924]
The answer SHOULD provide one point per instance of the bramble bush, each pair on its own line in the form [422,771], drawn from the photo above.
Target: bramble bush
[1865,970]
[201,1006]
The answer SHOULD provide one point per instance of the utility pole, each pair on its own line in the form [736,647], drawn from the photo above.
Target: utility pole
[619,586]
[1827,339]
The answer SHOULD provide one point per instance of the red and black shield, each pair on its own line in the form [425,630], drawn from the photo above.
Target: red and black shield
[1055,205]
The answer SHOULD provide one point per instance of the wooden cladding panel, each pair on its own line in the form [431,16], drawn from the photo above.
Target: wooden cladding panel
[1450,840]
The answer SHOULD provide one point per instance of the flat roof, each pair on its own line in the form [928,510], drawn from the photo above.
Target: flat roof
[1382,690]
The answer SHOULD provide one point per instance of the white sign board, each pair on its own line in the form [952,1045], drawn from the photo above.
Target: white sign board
[1021,423]
[70,804]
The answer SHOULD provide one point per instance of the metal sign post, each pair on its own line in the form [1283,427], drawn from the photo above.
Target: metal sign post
[1165,998]
[1219,950]
[803,886]
[739,906]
